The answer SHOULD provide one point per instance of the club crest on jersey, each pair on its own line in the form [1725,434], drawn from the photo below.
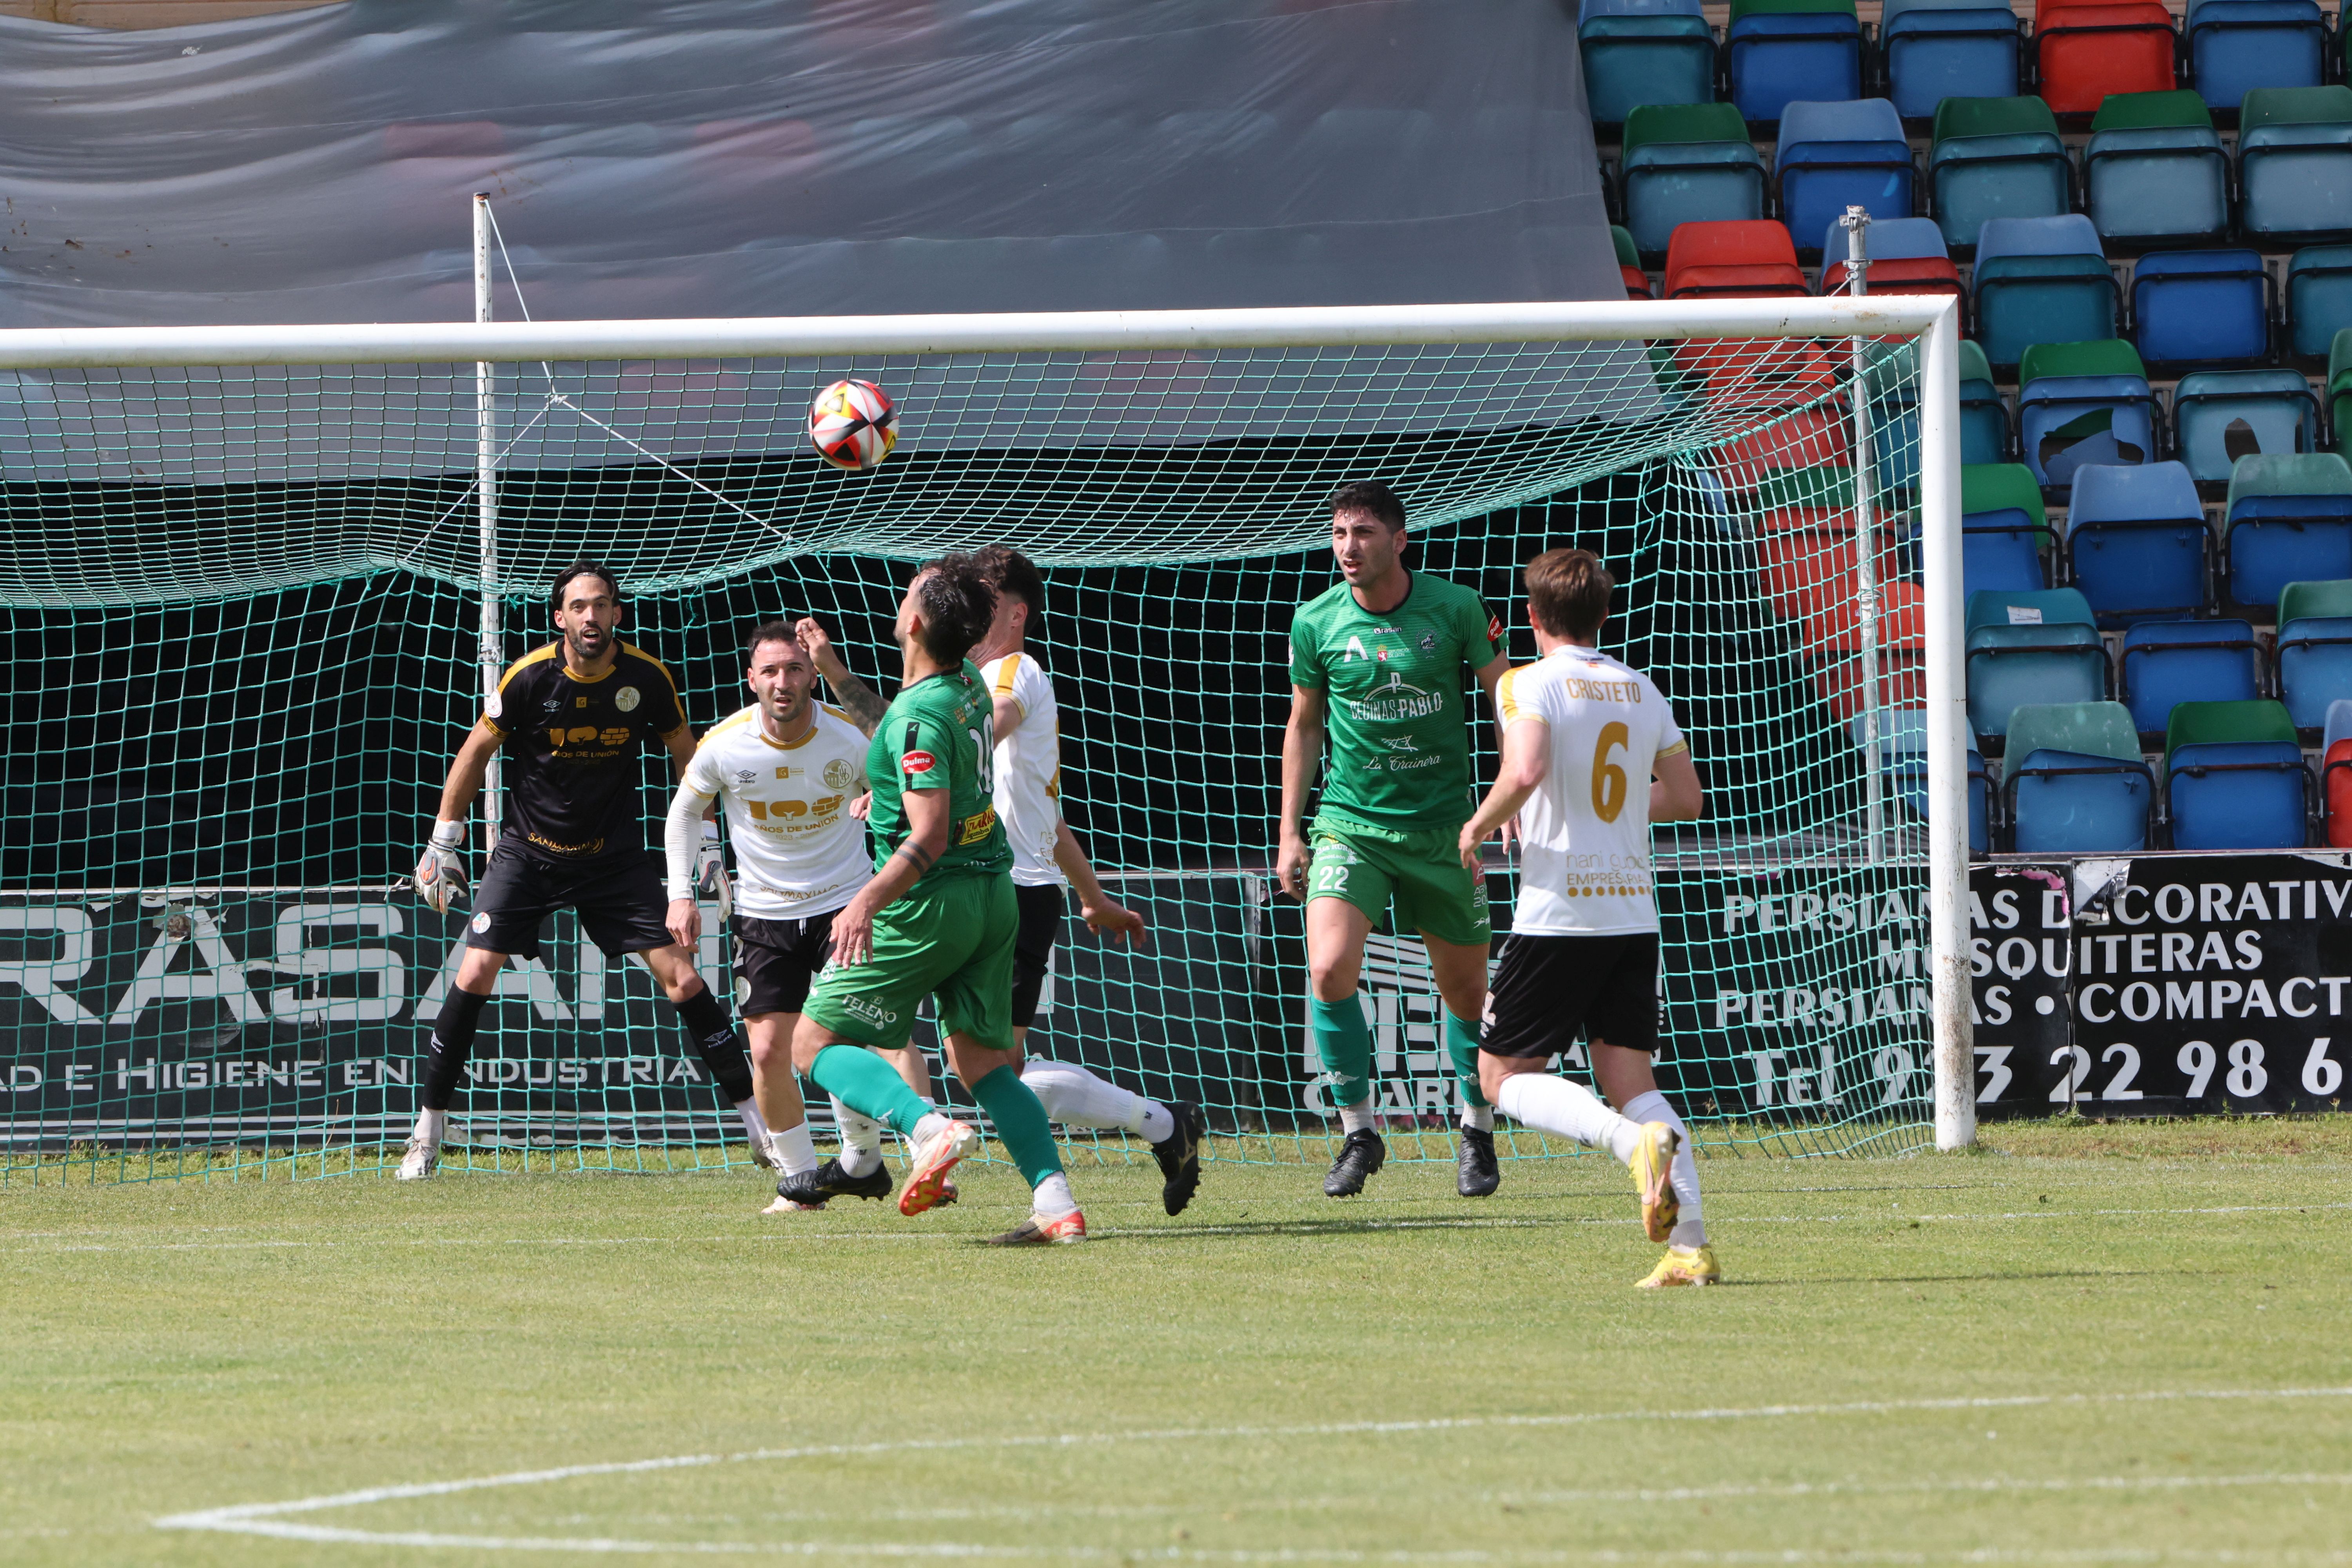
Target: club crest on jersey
[494,708]
[1429,642]
[839,774]
[626,699]
[481,923]
[918,762]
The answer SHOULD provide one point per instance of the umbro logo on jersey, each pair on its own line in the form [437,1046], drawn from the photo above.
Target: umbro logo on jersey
[746,776]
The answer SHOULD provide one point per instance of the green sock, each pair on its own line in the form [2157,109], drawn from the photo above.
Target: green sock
[1344,1043]
[1020,1122]
[1462,1045]
[866,1084]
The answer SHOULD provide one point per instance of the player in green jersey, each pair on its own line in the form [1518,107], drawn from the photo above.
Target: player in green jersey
[1376,664]
[939,920]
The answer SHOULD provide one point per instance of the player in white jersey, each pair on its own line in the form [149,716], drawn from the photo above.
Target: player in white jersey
[790,771]
[1046,862]
[1581,734]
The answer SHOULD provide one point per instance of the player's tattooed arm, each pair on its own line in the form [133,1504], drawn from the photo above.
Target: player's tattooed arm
[857,698]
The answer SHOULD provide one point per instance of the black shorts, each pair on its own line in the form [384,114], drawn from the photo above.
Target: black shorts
[619,899]
[1042,911]
[1547,988]
[776,960]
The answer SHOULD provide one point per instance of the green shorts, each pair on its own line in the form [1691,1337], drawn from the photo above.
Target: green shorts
[953,941]
[1421,872]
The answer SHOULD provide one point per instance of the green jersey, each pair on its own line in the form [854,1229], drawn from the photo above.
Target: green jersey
[1400,730]
[940,734]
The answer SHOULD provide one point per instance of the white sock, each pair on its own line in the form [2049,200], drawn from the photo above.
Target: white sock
[1051,1199]
[861,1140]
[1690,1230]
[1571,1110]
[1357,1117]
[755,1126]
[1481,1117]
[1158,1123]
[1077,1098]
[432,1126]
[794,1151]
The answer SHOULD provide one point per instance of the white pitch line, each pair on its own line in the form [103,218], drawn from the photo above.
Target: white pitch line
[269,1518]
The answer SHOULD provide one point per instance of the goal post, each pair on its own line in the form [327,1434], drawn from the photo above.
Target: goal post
[267,486]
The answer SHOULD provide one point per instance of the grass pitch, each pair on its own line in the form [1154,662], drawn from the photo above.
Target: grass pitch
[2123,1344]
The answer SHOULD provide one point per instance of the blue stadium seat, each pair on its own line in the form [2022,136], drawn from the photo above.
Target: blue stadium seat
[2234,779]
[2026,647]
[1831,156]
[2075,782]
[2165,663]
[2220,416]
[1687,163]
[2201,308]
[2041,280]
[2315,651]
[2236,45]
[1644,51]
[2083,403]
[2290,520]
[1903,767]
[1981,796]
[2137,544]
[2003,530]
[1935,49]
[1984,416]
[2155,169]
[1778,52]
[2318,299]
[2294,164]
[1996,157]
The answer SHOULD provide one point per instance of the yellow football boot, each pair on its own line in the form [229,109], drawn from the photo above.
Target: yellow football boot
[1653,1166]
[1683,1266]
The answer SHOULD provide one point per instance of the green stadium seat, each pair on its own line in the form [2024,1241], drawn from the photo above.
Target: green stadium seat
[2004,531]
[2155,169]
[1984,414]
[2076,783]
[2079,403]
[2235,778]
[1687,163]
[1629,263]
[1996,157]
[2294,164]
[2289,521]
[2315,651]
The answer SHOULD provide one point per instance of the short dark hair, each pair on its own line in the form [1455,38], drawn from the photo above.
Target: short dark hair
[1010,572]
[1371,496]
[580,568]
[1568,593]
[770,631]
[958,603]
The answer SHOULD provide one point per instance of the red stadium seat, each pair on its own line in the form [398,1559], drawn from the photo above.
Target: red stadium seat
[1903,274]
[2336,768]
[1741,258]
[1637,282]
[2084,49]
[1753,376]
[1809,438]
[1832,649]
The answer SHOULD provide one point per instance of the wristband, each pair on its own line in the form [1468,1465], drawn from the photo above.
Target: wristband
[448,835]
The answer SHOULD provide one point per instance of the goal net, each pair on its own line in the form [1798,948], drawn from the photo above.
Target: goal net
[245,573]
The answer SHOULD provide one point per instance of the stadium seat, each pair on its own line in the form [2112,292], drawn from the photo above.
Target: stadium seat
[1777,52]
[1805,549]
[1831,647]
[2220,416]
[1933,49]
[2083,403]
[1629,263]
[2137,544]
[1908,256]
[2233,777]
[2339,387]
[1984,417]
[2074,782]
[2155,169]
[2085,50]
[1644,51]
[2004,531]
[1831,156]
[2290,520]
[1685,163]
[1751,259]
[2201,308]
[2318,299]
[2027,647]
[1903,767]
[2164,663]
[2294,164]
[1995,157]
[1980,799]
[2237,45]
[2315,649]
[2335,776]
[2041,280]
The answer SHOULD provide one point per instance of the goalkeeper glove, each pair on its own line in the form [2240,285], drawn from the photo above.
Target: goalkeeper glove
[440,875]
[710,871]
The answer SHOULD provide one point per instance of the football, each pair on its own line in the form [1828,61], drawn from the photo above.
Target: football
[853,425]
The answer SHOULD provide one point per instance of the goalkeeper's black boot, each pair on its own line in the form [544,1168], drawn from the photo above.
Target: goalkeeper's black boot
[1179,1154]
[830,1181]
[1360,1158]
[1475,1174]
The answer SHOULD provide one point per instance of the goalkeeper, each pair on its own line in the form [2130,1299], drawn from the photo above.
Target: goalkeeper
[1583,737]
[569,718]
[1377,661]
[938,919]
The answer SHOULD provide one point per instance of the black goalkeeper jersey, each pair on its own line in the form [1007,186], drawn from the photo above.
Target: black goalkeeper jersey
[574,778]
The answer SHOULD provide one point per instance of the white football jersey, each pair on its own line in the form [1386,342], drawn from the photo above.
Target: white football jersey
[1585,833]
[798,852]
[1029,769]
